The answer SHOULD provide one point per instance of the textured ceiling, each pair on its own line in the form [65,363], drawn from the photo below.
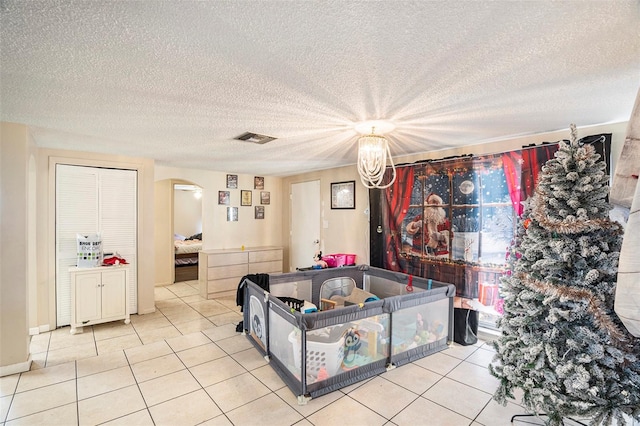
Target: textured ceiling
[178,80]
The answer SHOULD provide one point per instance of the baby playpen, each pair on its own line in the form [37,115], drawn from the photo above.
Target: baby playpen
[325,329]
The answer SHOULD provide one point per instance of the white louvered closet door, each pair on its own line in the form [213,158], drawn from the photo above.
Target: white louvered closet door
[91,200]
[118,222]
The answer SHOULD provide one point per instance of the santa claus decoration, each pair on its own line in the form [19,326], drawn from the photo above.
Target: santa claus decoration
[431,231]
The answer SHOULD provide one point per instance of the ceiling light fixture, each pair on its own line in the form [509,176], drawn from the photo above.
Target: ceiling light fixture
[374,153]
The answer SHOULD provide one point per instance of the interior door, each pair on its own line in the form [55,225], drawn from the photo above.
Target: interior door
[305,224]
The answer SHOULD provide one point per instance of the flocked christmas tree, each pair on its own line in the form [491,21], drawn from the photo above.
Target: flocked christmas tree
[562,343]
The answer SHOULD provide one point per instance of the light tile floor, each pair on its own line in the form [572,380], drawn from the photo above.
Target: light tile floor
[186,365]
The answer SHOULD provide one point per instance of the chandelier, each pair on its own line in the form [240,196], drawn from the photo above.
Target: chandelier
[373,156]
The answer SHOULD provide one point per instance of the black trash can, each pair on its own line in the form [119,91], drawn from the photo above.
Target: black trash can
[465,326]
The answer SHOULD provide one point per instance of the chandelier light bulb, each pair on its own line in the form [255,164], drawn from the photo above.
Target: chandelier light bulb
[373,155]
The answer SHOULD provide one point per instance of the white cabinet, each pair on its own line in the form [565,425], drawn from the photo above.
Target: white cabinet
[99,295]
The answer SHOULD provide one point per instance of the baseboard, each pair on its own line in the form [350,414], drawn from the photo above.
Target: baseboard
[488,335]
[39,329]
[21,367]
[148,311]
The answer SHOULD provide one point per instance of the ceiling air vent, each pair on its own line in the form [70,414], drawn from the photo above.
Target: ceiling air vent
[255,138]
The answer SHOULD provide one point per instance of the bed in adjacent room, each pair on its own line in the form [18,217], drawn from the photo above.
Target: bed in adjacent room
[186,257]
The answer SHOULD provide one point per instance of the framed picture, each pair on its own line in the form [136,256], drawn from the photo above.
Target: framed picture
[245,198]
[259,212]
[232,181]
[232,214]
[265,197]
[258,182]
[224,197]
[343,195]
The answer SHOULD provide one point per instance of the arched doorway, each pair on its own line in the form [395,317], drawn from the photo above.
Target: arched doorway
[187,230]
[165,204]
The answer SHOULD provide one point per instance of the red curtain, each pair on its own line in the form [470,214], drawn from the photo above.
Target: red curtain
[521,169]
[532,161]
[396,202]
[511,163]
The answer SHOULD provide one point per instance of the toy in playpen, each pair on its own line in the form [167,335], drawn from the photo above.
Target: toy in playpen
[412,329]
[351,346]
[342,291]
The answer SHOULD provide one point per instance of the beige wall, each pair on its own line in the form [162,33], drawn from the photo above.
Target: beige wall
[45,236]
[187,213]
[163,241]
[217,233]
[15,152]
[348,230]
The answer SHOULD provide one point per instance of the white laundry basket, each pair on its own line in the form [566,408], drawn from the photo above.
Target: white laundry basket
[327,355]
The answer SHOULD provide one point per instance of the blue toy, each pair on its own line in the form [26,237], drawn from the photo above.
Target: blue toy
[351,346]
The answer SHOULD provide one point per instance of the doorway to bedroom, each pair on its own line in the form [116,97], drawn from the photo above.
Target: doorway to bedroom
[187,230]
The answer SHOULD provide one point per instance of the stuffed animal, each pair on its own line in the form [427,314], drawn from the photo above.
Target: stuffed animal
[320,264]
[351,345]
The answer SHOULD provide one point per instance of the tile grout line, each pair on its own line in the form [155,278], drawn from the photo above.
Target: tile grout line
[197,381]
[139,390]
[75,365]
[449,378]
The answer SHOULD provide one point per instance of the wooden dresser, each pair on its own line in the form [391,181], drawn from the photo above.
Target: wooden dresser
[220,271]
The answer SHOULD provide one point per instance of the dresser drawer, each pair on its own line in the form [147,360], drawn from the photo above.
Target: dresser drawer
[220,272]
[224,284]
[221,259]
[265,267]
[265,255]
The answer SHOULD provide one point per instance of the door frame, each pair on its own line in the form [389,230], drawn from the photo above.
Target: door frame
[53,161]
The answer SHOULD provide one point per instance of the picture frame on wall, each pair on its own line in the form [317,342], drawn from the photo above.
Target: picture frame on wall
[265,197]
[232,214]
[258,182]
[343,195]
[224,197]
[259,212]
[232,181]
[246,198]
